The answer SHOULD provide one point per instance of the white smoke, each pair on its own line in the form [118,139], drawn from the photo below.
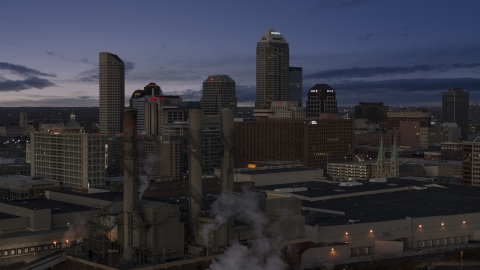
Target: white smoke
[77,229]
[144,179]
[263,253]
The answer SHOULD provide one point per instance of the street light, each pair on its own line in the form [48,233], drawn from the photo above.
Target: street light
[461,259]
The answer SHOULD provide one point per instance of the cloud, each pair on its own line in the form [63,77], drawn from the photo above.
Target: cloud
[23,70]
[51,101]
[27,83]
[358,72]
[187,94]
[337,4]
[62,57]
[91,75]
[245,93]
[365,37]
[129,66]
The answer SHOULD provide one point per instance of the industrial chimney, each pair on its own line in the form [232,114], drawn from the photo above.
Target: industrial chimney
[130,185]
[195,171]
[227,153]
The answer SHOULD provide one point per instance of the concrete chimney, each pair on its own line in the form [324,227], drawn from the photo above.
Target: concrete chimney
[195,171]
[227,153]
[130,185]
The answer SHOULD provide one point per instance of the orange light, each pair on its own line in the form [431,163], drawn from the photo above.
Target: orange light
[332,249]
[443,223]
[371,231]
[464,222]
[346,233]
[420,225]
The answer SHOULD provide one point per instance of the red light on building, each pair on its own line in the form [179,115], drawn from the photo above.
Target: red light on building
[162,98]
[96,133]
[153,98]
[54,131]
[139,135]
[212,79]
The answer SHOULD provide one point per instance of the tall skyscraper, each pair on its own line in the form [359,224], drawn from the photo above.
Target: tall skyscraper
[140,98]
[272,69]
[455,106]
[112,103]
[218,93]
[295,85]
[321,99]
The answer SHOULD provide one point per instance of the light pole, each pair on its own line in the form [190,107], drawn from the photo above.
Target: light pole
[461,259]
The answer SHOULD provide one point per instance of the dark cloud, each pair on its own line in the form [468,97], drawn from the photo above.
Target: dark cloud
[62,57]
[129,66]
[337,4]
[358,72]
[47,101]
[23,70]
[187,94]
[91,75]
[27,83]
[400,86]
[365,37]
[245,93]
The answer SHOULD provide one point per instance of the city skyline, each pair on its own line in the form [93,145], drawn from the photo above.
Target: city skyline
[366,50]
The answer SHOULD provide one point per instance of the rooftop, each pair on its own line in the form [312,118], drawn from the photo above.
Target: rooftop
[56,206]
[281,170]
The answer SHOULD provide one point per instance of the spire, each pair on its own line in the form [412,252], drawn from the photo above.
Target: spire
[394,155]
[381,153]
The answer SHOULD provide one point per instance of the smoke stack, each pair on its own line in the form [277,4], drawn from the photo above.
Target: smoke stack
[195,166]
[227,154]
[130,187]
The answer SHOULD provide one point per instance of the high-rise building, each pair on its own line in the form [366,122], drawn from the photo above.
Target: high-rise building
[420,115]
[474,114]
[455,108]
[140,98]
[23,120]
[470,163]
[321,99]
[68,155]
[272,69]
[112,103]
[218,93]
[295,88]
[373,111]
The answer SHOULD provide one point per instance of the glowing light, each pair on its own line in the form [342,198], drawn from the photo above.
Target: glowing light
[371,231]
[153,98]
[443,223]
[162,98]
[420,226]
[464,222]
[332,249]
[346,233]
[212,79]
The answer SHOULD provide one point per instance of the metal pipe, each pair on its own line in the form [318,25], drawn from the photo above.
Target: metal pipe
[195,166]
[130,186]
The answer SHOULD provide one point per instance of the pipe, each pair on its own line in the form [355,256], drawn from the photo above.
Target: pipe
[195,166]
[130,186]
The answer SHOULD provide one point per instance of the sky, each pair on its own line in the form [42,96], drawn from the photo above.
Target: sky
[400,52]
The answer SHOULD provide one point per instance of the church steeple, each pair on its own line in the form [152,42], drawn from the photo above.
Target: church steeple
[394,155]
[381,152]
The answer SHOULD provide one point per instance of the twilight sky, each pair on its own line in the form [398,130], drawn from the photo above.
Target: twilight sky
[401,52]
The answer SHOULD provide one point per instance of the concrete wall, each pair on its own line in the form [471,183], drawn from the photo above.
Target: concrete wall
[388,247]
[14,224]
[317,255]
[39,219]
[63,220]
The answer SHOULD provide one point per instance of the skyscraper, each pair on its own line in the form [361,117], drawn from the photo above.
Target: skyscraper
[455,108]
[272,69]
[140,98]
[218,93]
[321,99]
[112,103]
[295,85]
[373,111]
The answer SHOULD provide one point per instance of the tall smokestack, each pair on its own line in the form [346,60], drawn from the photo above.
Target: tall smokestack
[130,186]
[227,153]
[195,166]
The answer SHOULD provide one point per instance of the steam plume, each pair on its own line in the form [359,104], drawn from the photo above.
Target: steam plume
[148,170]
[78,229]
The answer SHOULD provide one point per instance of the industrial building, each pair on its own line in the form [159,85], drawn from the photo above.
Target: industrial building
[20,187]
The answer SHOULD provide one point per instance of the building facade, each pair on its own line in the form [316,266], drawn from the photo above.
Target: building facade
[272,63]
[112,103]
[218,93]
[455,108]
[321,99]
[73,158]
[314,143]
[471,161]
[295,88]
[421,115]
[140,98]
[373,111]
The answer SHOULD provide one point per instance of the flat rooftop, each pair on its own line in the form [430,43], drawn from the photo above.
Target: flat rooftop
[23,178]
[56,206]
[436,200]
[282,170]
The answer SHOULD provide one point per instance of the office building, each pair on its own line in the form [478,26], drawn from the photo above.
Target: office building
[474,114]
[272,69]
[295,88]
[163,110]
[218,93]
[281,109]
[450,132]
[112,103]
[351,171]
[140,98]
[455,108]
[313,143]
[421,115]
[321,99]
[430,136]
[470,161]
[67,155]
[376,112]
